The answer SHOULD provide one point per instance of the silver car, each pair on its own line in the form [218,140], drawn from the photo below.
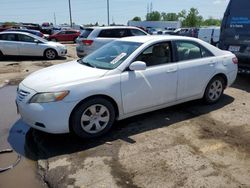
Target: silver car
[93,38]
[26,44]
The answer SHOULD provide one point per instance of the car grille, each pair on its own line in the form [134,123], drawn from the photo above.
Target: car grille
[21,95]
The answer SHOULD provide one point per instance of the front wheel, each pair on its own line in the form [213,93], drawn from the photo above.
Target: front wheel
[50,54]
[93,118]
[214,90]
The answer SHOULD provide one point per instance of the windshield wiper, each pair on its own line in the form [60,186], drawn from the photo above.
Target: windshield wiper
[85,63]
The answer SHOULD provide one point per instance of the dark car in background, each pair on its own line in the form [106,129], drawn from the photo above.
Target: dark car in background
[65,35]
[235,32]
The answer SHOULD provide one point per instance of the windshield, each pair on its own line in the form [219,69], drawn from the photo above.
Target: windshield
[111,55]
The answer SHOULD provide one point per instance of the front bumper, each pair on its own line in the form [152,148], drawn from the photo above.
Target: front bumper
[50,117]
[62,52]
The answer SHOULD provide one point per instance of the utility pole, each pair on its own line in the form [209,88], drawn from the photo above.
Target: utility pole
[55,18]
[108,10]
[70,14]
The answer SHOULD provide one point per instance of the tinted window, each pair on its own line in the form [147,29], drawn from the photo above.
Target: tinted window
[70,32]
[157,54]
[136,32]
[8,37]
[85,33]
[188,50]
[25,38]
[113,33]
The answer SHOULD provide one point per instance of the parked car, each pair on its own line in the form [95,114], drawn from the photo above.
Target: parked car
[235,32]
[188,32]
[34,32]
[95,37]
[126,77]
[14,43]
[65,35]
[210,35]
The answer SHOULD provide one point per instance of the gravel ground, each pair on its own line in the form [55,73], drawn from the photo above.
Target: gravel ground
[189,145]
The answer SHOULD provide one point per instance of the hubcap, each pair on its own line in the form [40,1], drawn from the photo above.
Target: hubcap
[215,90]
[50,54]
[95,118]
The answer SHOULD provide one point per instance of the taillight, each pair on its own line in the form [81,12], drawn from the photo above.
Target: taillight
[87,42]
[235,60]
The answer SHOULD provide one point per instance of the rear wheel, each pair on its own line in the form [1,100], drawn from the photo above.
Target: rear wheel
[1,55]
[75,40]
[93,118]
[50,54]
[214,90]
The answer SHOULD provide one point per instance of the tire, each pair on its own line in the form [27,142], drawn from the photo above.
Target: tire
[1,55]
[89,122]
[214,90]
[50,54]
[75,40]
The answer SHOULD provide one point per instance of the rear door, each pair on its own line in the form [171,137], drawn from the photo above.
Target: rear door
[71,35]
[196,65]
[8,44]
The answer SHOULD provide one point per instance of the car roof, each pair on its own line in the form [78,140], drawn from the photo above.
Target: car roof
[18,32]
[147,38]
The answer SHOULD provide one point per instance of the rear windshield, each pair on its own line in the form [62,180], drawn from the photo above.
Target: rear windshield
[85,33]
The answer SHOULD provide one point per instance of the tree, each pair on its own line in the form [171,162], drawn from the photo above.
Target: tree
[169,16]
[137,18]
[153,16]
[211,21]
[193,19]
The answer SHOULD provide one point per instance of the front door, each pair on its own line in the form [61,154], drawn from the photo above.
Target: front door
[154,86]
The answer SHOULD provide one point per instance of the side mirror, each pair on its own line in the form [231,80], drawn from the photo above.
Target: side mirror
[137,66]
[36,41]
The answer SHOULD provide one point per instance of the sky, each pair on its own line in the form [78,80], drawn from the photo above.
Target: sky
[92,11]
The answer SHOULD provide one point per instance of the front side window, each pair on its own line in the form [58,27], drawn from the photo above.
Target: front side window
[70,32]
[110,55]
[157,54]
[8,37]
[25,38]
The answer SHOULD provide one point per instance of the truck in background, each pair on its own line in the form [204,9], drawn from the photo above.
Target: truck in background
[210,35]
[235,32]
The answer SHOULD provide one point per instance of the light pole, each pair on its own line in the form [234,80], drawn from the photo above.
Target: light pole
[70,14]
[108,10]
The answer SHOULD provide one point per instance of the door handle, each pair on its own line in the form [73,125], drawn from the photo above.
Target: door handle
[212,64]
[171,70]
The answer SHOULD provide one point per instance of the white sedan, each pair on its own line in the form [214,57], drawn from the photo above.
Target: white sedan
[124,78]
[14,43]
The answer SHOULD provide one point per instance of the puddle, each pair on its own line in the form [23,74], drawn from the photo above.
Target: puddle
[12,135]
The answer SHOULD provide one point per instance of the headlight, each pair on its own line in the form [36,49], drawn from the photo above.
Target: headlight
[49,97]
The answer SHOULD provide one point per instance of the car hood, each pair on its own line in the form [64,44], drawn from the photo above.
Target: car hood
[60,76]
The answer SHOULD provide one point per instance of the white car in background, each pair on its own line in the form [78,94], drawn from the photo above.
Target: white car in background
[93,38]
[210,35]
[14,43]
[126,77]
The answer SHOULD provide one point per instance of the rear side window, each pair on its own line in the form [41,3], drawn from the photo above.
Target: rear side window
[85,33]
[113,33]
[136,32]
[188,50]
[8,37]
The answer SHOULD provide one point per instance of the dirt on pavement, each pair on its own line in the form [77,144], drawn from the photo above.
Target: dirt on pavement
[189,145]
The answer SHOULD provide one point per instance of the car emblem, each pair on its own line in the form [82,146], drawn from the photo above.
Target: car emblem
[236,37]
